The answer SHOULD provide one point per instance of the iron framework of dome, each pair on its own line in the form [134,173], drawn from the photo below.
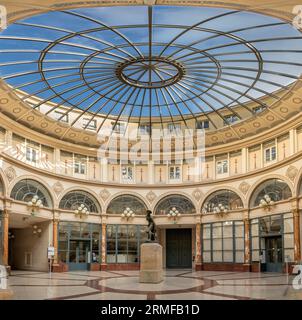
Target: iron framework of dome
[150,64]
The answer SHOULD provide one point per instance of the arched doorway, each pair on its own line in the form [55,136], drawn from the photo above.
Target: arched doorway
[178,240]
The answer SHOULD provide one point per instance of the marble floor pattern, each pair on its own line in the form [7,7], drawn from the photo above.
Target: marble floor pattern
[177,284]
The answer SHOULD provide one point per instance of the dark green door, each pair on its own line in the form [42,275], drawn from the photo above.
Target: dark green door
[179,248]
[274,254]
[79,255]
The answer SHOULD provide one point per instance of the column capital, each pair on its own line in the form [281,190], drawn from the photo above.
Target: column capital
[296,212]
[56,216]
[6,212]
[245,214]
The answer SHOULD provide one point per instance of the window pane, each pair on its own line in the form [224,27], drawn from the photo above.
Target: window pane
[111,245]
[217,244]
[206,244]
[228,256]
[288,225]
[239,256]
[255,255]
[289,240]
[228,244]
[207,231]
[239,243]
[239,230]
[122,244]
[217,256]
[255,243]
[132,244]
[207,256]
[227,230]
[217,230]
[254,229]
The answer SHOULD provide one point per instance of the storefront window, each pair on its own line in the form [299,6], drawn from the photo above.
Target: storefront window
[123,242]
[223,242]
[79,242]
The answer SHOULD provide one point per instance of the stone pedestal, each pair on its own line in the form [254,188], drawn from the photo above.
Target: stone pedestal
[151,266]
[6,294]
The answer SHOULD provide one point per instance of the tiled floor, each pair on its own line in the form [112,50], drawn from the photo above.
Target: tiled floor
[177,284]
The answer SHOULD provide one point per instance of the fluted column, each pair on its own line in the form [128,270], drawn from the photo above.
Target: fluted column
[198,257]
[296,225]
[103,246]
[5,221]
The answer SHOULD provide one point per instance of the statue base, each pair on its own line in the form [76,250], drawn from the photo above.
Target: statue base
[151,266]
[5,294]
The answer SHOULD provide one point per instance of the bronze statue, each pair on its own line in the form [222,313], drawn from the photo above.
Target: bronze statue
[151,227]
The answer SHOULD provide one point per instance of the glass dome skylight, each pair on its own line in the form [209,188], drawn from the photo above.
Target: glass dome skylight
[150,64]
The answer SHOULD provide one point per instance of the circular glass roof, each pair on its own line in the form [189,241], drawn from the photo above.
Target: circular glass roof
[150,64]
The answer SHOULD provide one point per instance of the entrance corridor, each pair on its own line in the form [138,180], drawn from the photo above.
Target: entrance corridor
[177,284]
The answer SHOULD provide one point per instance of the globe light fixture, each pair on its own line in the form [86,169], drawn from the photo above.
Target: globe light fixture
[37,231]
[174,214]
[35,204]
[81,211]
[219,209]
[266,202]
[128,214]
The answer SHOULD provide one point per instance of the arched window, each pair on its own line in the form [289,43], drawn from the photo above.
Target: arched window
[276,189]
[182,204]
[222,201]
[26,189]
[74,199]
[119,204]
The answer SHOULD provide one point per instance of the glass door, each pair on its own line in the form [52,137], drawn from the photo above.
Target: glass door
[274,254]
[79,255]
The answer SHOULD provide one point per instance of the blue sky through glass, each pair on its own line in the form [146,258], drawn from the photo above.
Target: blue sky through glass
[97,59]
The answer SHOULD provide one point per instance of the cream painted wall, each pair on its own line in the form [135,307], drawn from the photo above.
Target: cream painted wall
[25,241]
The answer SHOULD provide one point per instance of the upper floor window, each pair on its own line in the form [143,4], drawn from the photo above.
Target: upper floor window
[222,166]
[270,154]
[259,109]
[174,173]
[174,128]
[144,129]
[202,124]
[118,127]
[89,124]
[79,166]
[127,173]
[61,116]
[31,154]
[230,119]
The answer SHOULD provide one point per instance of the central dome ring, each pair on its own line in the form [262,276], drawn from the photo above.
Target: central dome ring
[167,71]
